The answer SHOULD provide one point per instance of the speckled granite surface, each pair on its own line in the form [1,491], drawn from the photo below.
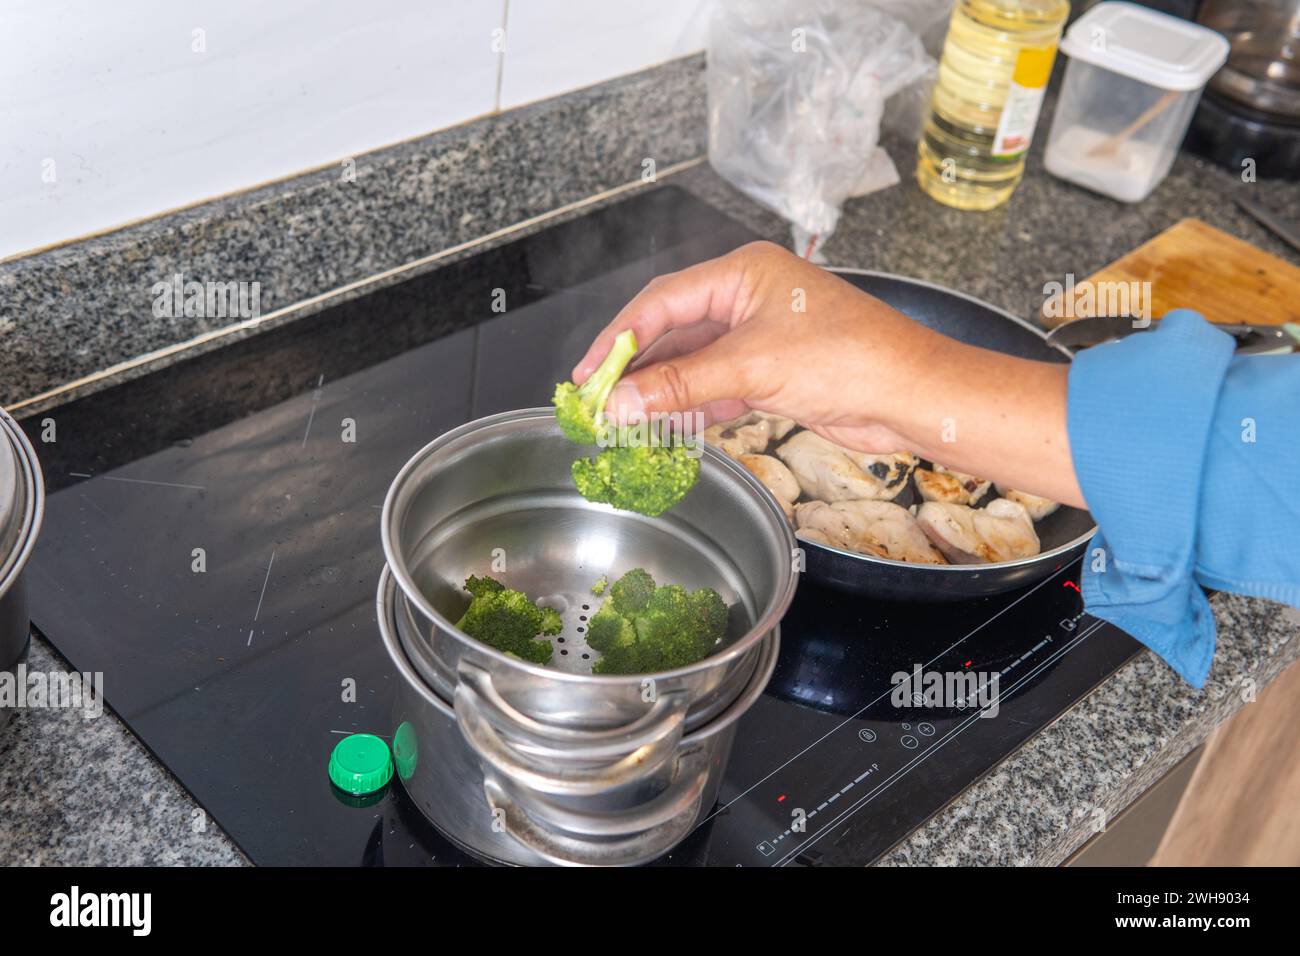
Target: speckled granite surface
[1047,229]
[85,791]
[83,307]
[89,792]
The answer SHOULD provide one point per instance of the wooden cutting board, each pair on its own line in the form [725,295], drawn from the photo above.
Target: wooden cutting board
[1192,265]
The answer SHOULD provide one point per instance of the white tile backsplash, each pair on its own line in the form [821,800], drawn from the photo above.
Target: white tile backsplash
[114,102]
[555,46]
[116,111]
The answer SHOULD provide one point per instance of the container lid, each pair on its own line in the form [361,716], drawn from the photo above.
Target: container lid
[1149,46]
[360,764]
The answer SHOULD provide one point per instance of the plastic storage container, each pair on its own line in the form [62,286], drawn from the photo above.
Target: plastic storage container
[1132,83]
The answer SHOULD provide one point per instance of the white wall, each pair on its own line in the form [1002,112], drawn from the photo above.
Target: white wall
[560,45]
[115,110]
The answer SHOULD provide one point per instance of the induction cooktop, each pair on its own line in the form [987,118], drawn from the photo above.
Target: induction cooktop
[211,544]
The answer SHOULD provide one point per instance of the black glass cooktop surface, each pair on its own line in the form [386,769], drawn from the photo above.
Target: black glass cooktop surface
[211,544]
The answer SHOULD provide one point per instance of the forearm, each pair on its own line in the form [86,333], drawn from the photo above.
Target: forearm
[991,415]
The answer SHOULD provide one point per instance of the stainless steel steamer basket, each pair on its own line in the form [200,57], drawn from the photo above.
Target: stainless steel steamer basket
[595,799]
[498,490]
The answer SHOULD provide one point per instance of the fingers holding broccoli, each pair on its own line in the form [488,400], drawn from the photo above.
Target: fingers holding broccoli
[580,409]
[639,469]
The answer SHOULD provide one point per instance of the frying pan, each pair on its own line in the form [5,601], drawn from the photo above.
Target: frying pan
[1064,534]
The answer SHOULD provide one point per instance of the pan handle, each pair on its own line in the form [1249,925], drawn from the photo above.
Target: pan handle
[564,760]
[621,838]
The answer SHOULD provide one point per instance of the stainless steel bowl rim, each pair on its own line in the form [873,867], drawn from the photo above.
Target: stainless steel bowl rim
[18,536]
[1061,550]
[385,606]
[766,622]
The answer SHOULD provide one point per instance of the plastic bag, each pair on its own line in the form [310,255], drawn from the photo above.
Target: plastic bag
[797,89]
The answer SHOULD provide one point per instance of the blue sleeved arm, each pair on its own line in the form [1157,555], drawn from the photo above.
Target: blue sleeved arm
[1188,458]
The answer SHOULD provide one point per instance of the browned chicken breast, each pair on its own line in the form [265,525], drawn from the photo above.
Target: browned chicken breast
[955,487]
[1038,508]
[776,477]
[748,434]
[778,426]
[740,436]
[828,472]
[867,526]
[1001,532]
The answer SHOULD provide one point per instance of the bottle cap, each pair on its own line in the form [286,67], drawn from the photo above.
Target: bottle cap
[360,764]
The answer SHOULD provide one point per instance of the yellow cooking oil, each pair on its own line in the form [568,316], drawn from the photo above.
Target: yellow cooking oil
[992,77]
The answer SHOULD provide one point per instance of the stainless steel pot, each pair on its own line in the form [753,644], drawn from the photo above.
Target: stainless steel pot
[22,503]
[1263,70]
[495,497]
[509,788]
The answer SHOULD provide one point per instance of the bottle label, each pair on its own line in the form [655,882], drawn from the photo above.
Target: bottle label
[1024,100]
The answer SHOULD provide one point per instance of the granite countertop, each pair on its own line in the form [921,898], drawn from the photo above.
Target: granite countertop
[86,791]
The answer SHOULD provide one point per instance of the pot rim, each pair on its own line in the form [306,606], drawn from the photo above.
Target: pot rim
[399,491]
[32,481]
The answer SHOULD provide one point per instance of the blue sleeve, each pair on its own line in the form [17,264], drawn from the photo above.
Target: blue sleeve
[1187,457]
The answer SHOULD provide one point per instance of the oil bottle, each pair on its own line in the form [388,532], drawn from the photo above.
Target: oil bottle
[992,78]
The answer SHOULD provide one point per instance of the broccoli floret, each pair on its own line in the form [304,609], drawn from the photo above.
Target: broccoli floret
[638,470]
[641,628]
[508,621]
[629,594]
[608,629]
[710,615]
[615,637]
[479,586]
[647,478]
[599,587]
[667,632]
[580,410]
[621,659]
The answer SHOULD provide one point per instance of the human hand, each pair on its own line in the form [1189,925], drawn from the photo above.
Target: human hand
[760,328]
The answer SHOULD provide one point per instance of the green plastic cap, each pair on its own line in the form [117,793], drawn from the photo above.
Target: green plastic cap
[361,764]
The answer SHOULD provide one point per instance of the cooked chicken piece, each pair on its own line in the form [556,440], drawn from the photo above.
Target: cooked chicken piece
[868,526]
[1007,526]
[1038,508]
[893,469]
[777,478]
[817,537]
[741,436]
[956,487]
[1001,532]
[773,474]
[780,427]
[828,472]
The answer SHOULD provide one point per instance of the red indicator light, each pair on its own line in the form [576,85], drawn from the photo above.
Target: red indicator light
[781,799]
[967,664]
